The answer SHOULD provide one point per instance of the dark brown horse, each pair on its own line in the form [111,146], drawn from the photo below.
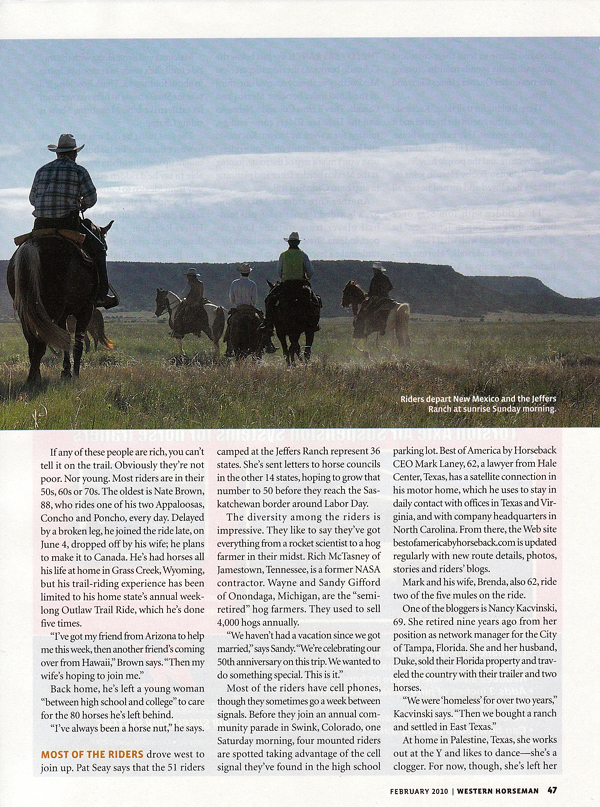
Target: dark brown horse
[245,335]
[296,312]
[390,318]
[49,278]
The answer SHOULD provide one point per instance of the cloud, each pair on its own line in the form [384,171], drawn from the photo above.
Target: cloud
[407,195]
[14,200]
[9,150]
[485,211]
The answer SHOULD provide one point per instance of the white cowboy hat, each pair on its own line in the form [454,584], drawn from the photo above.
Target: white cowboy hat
[379,266]
[244,268]
[293,237]
[66,142]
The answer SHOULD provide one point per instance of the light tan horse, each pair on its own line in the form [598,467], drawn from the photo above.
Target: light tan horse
[396,324]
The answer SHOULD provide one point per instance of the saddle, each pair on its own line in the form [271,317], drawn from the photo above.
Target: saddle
[71,235]
[372,316]
[244,311]
[295,291]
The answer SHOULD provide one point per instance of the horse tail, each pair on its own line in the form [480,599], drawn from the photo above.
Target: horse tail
[28,304]
[402,321]
[218,325]
[98,321]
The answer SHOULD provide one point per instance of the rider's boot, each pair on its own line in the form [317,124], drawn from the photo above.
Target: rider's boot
[104,299]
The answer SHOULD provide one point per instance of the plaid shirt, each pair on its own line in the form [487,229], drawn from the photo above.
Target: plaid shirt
[61,187]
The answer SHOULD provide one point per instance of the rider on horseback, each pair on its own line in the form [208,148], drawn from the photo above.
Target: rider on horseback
[377,304]
[295,270]
[192,306]
[242,297]
[196,293]
[60,190]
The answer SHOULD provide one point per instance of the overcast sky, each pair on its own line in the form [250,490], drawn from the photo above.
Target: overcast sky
[479,153]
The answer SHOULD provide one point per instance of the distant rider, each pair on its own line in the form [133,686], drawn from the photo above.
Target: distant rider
[377,303]
[242,297]
[295,270]
[196,292]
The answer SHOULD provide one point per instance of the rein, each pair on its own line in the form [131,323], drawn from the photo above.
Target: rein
[170,298]
[354,296]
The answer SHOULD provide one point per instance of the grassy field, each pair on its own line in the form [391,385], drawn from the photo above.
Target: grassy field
[139,385]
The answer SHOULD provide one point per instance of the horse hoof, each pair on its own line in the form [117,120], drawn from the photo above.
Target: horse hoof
[33,385]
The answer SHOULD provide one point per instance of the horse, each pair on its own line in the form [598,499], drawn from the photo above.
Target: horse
[95,330]
[353,296]
[211,322]
[396,323]
[296,312]
[49,278]
[245,335]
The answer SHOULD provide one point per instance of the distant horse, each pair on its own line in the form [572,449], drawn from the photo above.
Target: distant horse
[353,296]
[208,318]
[296,312]
[245,335]
[49,278]
[95,329]
[397,321]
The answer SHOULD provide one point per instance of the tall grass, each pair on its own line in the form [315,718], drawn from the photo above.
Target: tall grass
[140,385]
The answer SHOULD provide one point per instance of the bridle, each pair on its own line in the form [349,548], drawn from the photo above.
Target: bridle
[165,302]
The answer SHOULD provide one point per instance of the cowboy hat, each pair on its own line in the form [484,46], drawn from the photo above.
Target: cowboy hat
[191,272]
[66,142]
[293,237]
[380,267]
[244,268]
